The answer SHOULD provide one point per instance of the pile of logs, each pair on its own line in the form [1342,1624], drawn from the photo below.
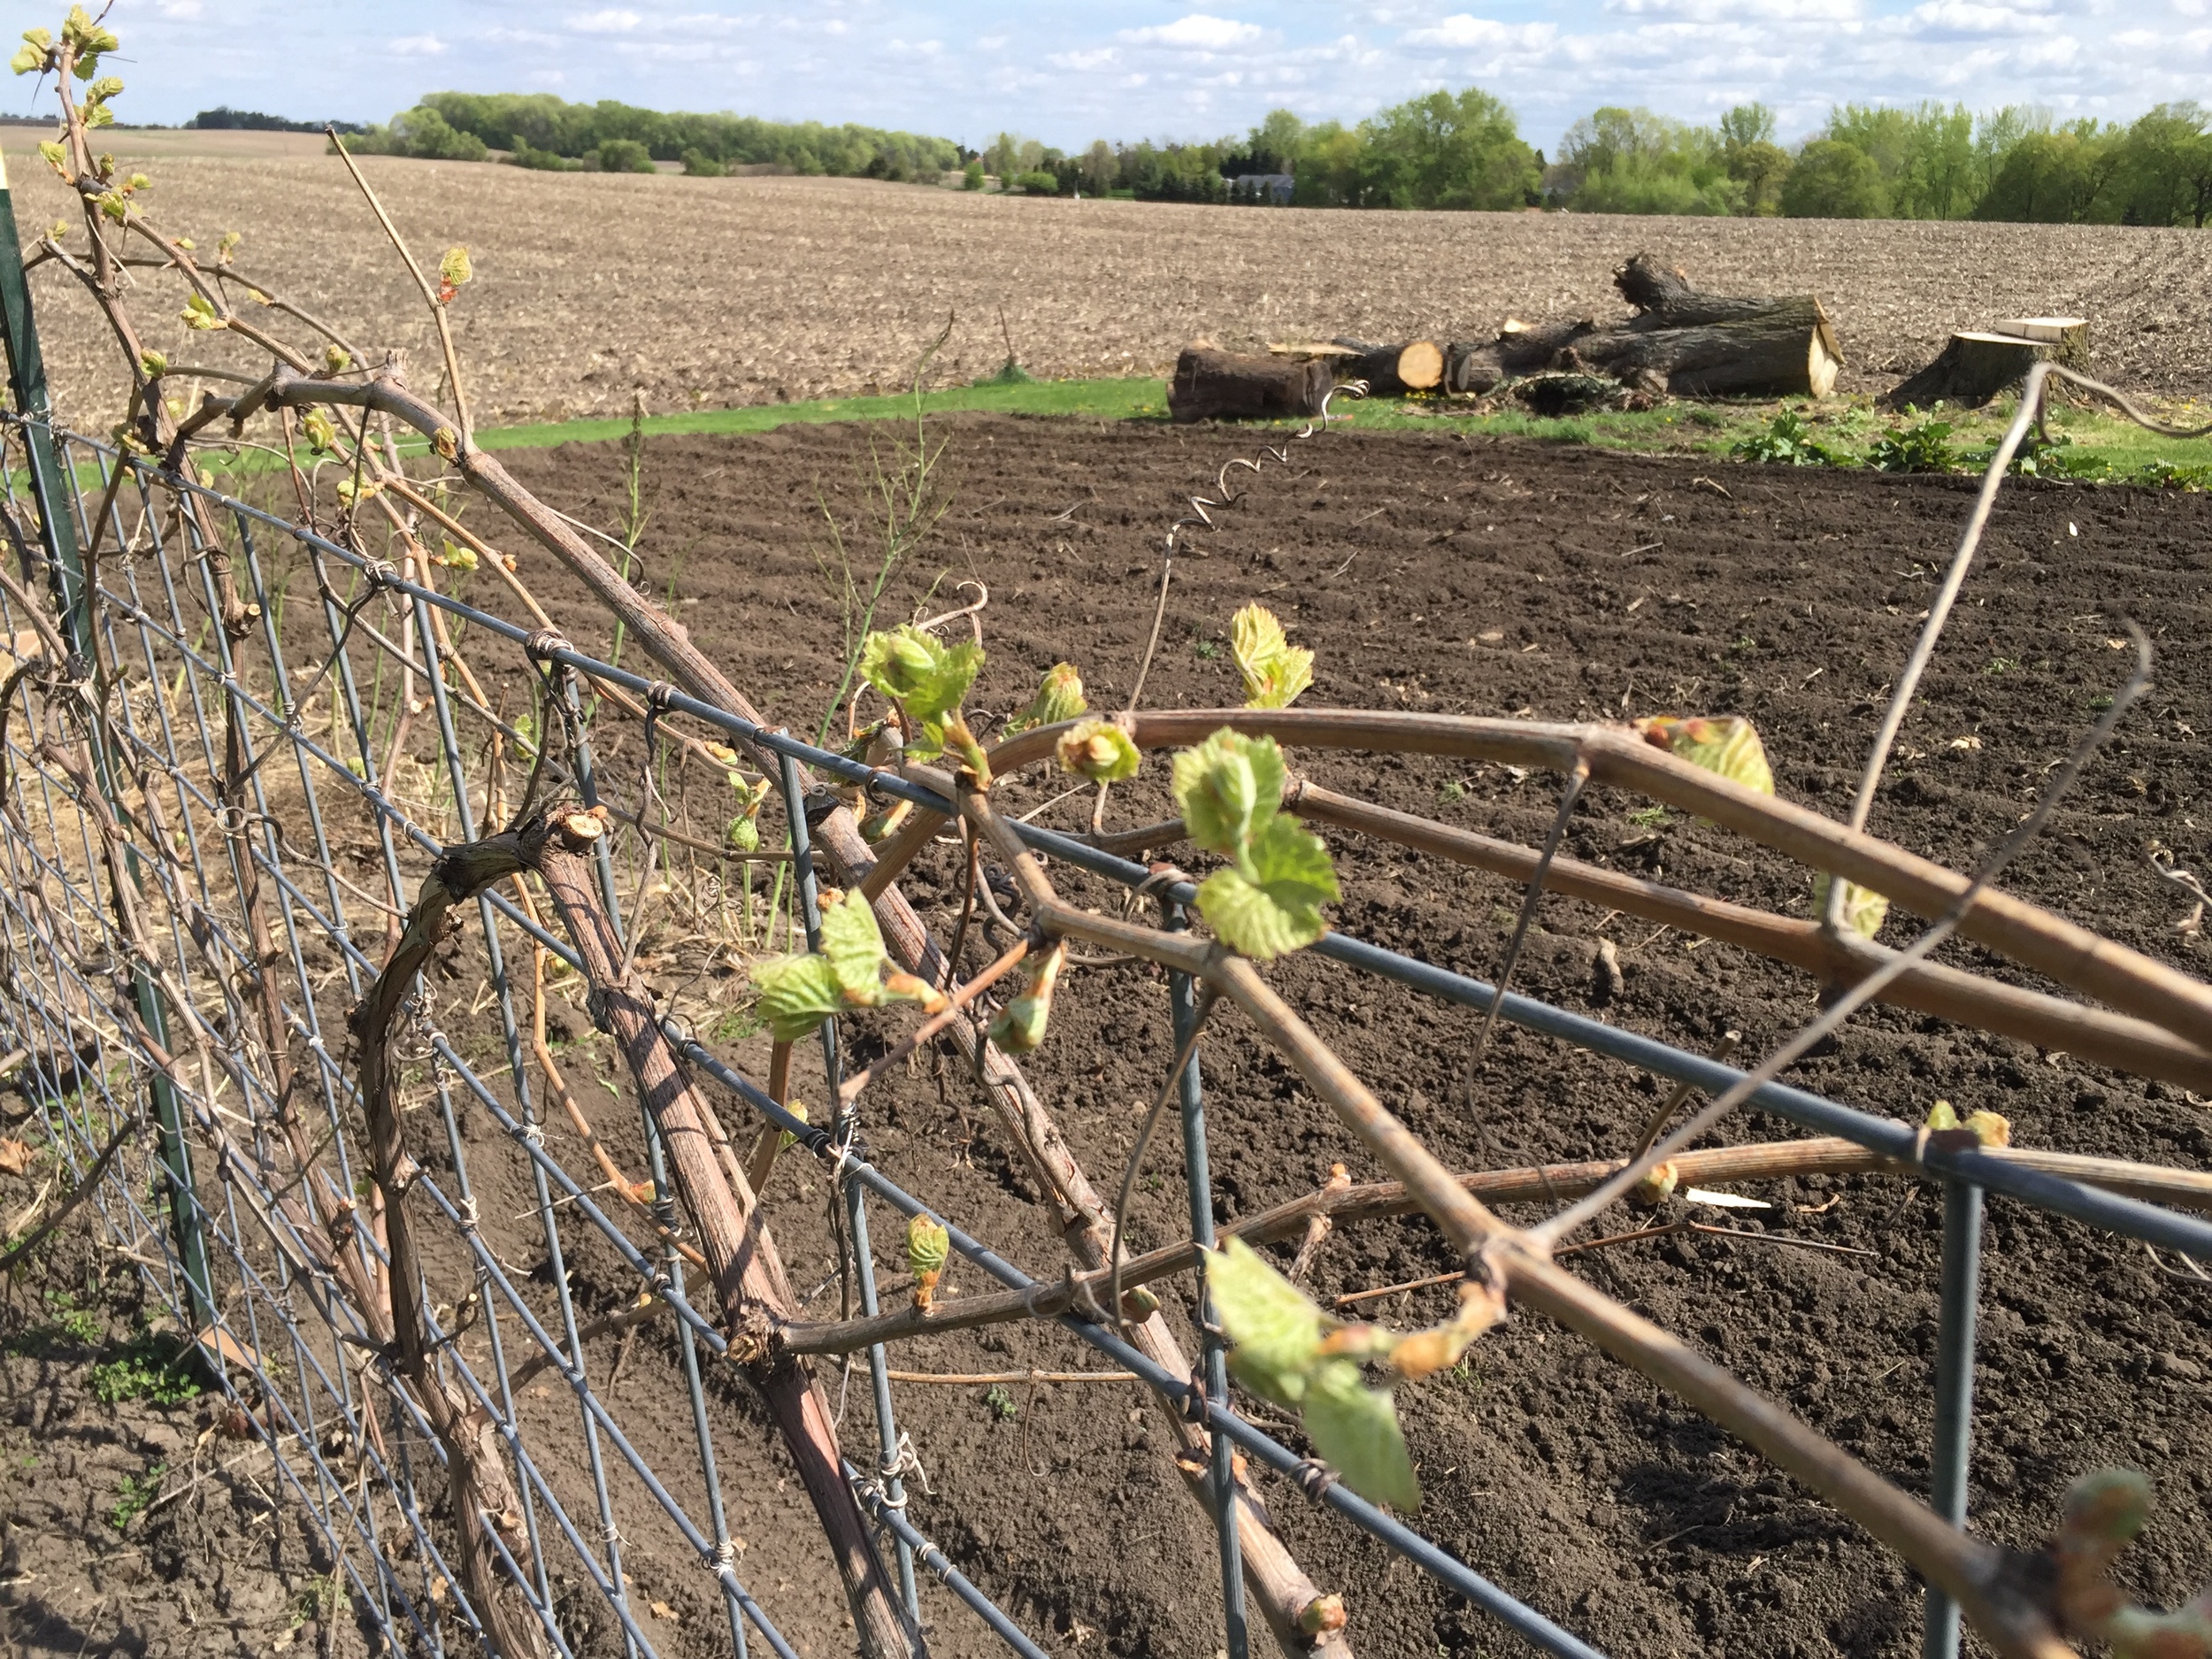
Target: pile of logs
[1676,340]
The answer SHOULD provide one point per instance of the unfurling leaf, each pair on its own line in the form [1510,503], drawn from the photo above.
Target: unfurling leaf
[227,245]
[86,36]
[1656,1188]
[928,1247]
[1229,789]
[797,995]
[743,834]
[112,205]
[1356,1428]
[854,945]
[199,312]
[60,229]
[455,557]
[1988,1128]
[1059,697]
[187,243]
[1020,1026]
[454,272]
[2104,1512]
[336,360]
[1274,1332]
[154,363]
[1099,750]
[1727,744]
[1270,903]
[1274,670]
[919,672]
[56,156]
[1864,909]
[321,436]
[32,55]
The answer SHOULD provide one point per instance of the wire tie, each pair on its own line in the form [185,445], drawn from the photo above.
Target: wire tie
[1195,1404]
[382,572]
[533,1131]
[660,695]
[541,646]
[724,1563]
[1315,1478]
[614,1537]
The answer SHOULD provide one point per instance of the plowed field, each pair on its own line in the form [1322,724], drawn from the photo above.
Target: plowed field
[714,293]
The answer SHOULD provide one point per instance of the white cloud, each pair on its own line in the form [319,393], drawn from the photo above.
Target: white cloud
[180,9]
[1467,32]
[991,42]
[613,20]
[418,46]
[1085,62]
[1195,33]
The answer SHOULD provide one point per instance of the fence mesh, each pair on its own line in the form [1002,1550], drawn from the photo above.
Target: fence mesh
[229,772]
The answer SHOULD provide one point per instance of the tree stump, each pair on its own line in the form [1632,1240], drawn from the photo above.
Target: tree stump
[1974,368]
[1225,385]
[2068,337]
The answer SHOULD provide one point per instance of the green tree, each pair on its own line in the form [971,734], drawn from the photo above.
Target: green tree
[1275,142]
[1631,161]
[2054,178]
[1101,168]
[1753,158]
[2162,172]
[1925,156]
[623,155]
[1446,150]
[1834,180]
[972,176]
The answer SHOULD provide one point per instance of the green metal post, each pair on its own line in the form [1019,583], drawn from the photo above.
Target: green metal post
[51,490]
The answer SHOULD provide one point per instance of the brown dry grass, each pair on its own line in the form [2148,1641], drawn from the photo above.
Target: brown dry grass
[710,293]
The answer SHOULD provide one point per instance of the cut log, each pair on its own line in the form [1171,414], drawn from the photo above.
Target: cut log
[1223,386]
[1390,371]
[1972,369]
[1679,341]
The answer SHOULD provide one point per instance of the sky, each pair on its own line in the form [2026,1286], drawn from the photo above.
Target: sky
[1068,73]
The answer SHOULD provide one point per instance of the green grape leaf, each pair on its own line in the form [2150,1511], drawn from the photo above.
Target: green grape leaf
[1099,750]
[336,359]
[155,362]
[1727,744]
[1272,906]
[1274,670]
[199,312]
[1059,697]
[1864,910]
[797,995]
[1229,789]
[38,45]
[1274,1332]
[57,158]
[101,90]
[321,435]
[455,269]
[927,1246]
[1356,1428]
[744,835]
[1020,1026]
[854,947]
[924,676]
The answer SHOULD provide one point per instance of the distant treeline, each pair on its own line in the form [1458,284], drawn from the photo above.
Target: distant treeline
[540,130]
[1464,151]
[222,118]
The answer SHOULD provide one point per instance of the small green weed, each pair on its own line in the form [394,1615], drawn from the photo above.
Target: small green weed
[1450,793]
[1649,817]
[737,1025]
[1923,447]
[138,1491]
[149,1368]
[65,1322]
[1207,649]
[2001,665]
[1786,441]
[1002,1403]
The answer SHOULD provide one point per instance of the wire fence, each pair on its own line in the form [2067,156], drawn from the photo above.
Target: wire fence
[314,782]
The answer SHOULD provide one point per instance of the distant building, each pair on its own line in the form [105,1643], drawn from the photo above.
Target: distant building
[1251,185]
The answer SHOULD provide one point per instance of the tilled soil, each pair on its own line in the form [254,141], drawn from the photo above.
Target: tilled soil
[718,292]
[1434,572]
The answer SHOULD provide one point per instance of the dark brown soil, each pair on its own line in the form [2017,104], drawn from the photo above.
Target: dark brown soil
[1434,572]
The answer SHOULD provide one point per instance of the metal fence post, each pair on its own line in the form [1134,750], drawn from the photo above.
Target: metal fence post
[52,490]
[893,1460]
[1199,1176]
[1954,1392]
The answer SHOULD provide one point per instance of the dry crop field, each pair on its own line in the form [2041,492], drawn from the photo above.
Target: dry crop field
[714,293]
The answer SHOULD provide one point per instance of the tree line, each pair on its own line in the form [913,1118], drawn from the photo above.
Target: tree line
[541,130]
[1446,150]
[1465,149]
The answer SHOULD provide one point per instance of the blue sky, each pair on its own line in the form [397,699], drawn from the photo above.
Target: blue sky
[1067,73]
